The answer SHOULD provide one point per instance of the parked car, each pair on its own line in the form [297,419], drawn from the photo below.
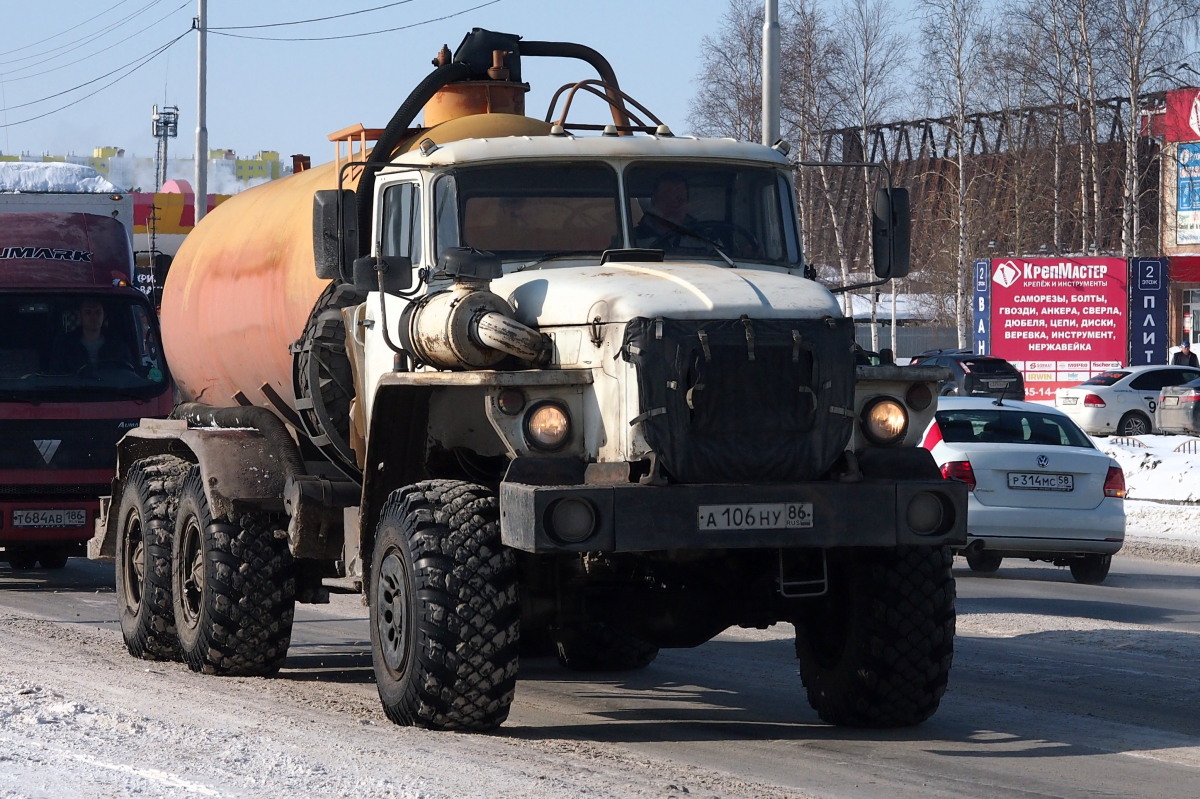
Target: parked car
[1178,409]
[974,375]
[1039,487]
[1121,401]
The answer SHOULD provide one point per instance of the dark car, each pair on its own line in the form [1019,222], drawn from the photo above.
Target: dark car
[974,375]
[1178,409]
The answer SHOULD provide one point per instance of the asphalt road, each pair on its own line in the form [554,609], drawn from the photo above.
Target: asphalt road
[1058,690]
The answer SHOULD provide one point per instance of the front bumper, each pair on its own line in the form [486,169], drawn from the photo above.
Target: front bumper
[640,518]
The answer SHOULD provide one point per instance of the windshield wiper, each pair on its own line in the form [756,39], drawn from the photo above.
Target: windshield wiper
[687,231]
[550,256]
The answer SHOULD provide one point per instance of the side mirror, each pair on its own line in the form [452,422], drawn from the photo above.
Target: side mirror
[335,232]
[891,227]
[390,274]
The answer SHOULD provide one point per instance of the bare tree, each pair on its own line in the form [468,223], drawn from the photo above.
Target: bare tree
[1148,34]
[952,52]
[872,51]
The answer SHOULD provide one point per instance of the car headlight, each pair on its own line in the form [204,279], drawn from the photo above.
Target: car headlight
[547,426]
[884,421]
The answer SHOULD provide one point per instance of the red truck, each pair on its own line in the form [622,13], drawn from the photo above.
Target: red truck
[80,363]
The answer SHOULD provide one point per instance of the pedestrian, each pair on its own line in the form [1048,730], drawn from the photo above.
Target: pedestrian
[1185,356]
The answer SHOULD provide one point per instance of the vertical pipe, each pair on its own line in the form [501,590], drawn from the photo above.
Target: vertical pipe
[201,115]
[770,72]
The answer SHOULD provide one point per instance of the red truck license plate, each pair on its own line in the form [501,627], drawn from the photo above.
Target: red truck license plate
[49,518]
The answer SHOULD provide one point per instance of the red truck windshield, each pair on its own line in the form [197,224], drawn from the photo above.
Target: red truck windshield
[58,347]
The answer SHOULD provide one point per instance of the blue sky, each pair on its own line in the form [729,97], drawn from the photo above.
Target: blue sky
[287,96]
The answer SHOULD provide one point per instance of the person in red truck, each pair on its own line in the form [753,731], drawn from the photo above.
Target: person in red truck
[80,363]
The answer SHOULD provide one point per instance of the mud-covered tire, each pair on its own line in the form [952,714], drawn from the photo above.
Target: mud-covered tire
[146,522]
[876,650]
[598,647]
[984,561]
[445,618]
[1090,569]
[233,587]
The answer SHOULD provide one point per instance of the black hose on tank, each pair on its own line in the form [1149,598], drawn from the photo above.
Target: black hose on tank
[396,128]
[200,415]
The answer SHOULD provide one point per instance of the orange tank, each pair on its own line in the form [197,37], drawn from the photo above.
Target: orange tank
[242,285]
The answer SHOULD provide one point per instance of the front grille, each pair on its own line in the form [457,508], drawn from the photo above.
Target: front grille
[56,444]
[78,491]
[763,400]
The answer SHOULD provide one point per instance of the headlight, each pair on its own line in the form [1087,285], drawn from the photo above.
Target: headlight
[884,421]
[547,426]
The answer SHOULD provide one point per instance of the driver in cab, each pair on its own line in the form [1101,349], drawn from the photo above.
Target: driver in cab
[87,345]
[666,225]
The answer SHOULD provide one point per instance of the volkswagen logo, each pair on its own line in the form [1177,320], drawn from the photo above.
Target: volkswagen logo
[1043,461]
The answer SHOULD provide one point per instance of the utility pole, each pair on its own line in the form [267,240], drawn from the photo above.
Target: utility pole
[201,23]
[770,71]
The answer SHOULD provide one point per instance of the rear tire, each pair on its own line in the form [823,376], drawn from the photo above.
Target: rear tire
[596,646]
[445,620]
[22,560]
[1091,569]
[876,650]
[1134,424]
[146,519]
[234,588]
[984,561]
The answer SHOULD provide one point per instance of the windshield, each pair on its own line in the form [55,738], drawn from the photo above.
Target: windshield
[1009,426]
[88,347]
[1104,379]
[687,209]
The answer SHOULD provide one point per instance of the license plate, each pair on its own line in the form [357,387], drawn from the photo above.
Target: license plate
[998,383]
[756,516]
[1038,481]
[1068,400]
[1170,400]
[49,518]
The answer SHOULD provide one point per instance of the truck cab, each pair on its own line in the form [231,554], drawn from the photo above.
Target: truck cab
[80,363]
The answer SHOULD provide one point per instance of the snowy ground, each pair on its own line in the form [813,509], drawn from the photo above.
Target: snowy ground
[77,720]
[1163,503]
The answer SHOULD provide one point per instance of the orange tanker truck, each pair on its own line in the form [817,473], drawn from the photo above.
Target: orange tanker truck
[534,386]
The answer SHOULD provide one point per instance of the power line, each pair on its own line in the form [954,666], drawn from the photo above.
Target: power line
[59,51]
[8,79]
[306,21]
[63,32]
[98,78]
[146,60]
[352,35]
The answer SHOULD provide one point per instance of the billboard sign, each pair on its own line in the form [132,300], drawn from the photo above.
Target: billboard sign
[1058,320]
[1187,197]
[1148,298]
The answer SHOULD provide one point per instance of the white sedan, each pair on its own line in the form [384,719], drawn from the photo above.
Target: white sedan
[1039,488]
[1121,401]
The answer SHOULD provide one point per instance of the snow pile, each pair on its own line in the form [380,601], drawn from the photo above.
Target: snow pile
[1155,469]
[38,176]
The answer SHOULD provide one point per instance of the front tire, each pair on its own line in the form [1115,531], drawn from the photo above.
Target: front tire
[233,585]
[876,650]
[146,515]
[445,620]
[1090,569]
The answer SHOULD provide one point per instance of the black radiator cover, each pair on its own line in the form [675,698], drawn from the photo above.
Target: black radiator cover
[744,400]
